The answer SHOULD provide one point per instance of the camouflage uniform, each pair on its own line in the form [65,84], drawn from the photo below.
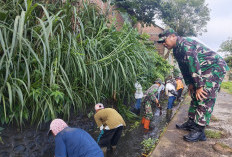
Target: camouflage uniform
[150,99]
[200,67]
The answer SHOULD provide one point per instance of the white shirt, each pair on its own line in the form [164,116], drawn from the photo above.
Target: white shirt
[139,91]
[161,87]
[169,87]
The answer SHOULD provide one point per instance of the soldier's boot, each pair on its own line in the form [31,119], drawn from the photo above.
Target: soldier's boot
[143,120]
[196,134]
[169,115]
[146,125]
[104,150]
[187,125]
[137,112]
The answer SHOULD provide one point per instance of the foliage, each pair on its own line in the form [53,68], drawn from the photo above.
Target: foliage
[143,11]
[135,125]
[226,46]
[0,134]
[213,134]
[176,72]
[57,60]
[186,17]
[229,61]
[148,144]
[227,86]
[125,112]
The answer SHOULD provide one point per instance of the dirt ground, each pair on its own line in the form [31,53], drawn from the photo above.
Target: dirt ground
[171,144]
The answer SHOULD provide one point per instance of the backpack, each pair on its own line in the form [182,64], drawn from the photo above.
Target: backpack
[173,92]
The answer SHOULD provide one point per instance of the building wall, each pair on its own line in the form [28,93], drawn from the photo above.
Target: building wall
[112,13]
[154,32]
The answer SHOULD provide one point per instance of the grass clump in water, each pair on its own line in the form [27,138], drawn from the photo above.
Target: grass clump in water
[149,144]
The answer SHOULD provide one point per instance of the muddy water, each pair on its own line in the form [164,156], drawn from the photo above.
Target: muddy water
[130,144]
[31,143]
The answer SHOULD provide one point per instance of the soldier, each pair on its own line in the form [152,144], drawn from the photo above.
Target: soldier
[203,71]
[149,98]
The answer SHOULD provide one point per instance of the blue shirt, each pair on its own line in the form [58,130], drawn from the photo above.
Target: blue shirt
[74,142]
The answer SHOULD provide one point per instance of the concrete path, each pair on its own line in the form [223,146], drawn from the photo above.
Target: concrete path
[171,144]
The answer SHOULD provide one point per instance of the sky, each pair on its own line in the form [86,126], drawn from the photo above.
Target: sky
[219,28]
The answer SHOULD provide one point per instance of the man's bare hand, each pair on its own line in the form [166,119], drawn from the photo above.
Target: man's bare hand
[201,94]
[157,101]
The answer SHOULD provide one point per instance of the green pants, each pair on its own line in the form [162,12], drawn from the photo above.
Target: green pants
[148,114]
[201,111]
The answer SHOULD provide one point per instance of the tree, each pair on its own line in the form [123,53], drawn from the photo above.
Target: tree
[143,11]
[226,46]
[186,17]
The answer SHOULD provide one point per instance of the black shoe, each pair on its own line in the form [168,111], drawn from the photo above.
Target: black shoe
[198,134]
[186,126]
[137,112]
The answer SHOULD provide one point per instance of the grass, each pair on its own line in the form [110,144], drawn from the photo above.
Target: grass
[0,134]
[62,59]
[227,86]
[213,134]
[225,146]
[149,144]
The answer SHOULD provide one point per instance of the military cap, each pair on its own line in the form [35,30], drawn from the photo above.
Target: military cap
[165,34]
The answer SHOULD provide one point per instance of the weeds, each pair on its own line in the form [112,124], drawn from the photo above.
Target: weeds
[227,86]
[213,134]
[148,144]
[56,58]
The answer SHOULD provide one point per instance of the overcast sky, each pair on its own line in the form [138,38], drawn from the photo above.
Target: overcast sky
[219,28]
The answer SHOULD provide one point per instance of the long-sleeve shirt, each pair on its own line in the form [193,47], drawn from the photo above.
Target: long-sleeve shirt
[75,142]
[109,117]
[196,61]
[139,91]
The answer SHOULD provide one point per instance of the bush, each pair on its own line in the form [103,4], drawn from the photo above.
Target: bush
[57,59]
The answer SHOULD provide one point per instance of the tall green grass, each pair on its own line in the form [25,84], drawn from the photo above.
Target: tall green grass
[54,61]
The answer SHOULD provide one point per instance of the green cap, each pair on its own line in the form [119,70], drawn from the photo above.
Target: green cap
[165,34]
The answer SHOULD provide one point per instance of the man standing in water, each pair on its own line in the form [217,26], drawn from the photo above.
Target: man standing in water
[203,71]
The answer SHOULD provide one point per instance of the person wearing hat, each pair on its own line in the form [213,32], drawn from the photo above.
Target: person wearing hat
[111,125]
[160,89]
[149,99]
[73,142]
[203,71]
[138,97]
[179,87]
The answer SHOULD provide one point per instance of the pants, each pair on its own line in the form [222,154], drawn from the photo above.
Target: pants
[200,111]
[110,137]
[171,100]
[147,107]
[179,93]
[138,103]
